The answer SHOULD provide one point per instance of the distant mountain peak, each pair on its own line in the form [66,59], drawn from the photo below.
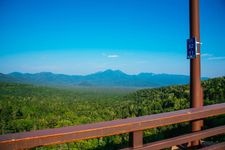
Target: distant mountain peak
[45,73]
[109,72]
[113,71]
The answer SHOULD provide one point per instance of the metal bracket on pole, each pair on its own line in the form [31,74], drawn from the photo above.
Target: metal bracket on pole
[197,43]
[200,43]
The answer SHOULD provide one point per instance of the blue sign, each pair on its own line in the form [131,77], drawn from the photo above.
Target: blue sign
[191,48]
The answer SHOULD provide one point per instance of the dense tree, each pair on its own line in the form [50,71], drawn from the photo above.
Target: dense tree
[28,107]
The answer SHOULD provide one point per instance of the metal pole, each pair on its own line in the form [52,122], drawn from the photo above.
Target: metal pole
[196,94]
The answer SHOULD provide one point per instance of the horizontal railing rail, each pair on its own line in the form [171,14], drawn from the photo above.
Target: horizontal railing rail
[130,125]
[162,144]
[219,146]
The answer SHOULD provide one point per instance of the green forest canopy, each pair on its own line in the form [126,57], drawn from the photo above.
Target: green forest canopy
[27,107]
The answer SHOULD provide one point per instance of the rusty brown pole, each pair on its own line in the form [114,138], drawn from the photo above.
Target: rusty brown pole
[196,94]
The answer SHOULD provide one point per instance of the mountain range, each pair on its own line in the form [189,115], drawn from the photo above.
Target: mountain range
[108,78]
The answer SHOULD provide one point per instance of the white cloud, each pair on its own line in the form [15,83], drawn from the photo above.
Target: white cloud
[216,58]
[212,57]
[206,55]
[113,56]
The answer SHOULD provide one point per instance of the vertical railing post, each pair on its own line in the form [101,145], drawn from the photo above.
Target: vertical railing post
[196,94]
[136,139]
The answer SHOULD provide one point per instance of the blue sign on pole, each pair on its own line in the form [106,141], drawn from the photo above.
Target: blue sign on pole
[191,48]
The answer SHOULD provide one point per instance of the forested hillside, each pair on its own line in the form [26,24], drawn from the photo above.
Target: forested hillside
[28,107]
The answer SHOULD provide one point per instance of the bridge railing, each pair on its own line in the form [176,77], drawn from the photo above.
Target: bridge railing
[134,126]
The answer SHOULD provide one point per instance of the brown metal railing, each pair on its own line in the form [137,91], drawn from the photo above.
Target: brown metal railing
[135,126]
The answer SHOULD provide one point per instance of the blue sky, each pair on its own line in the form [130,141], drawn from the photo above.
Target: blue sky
[86,36]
